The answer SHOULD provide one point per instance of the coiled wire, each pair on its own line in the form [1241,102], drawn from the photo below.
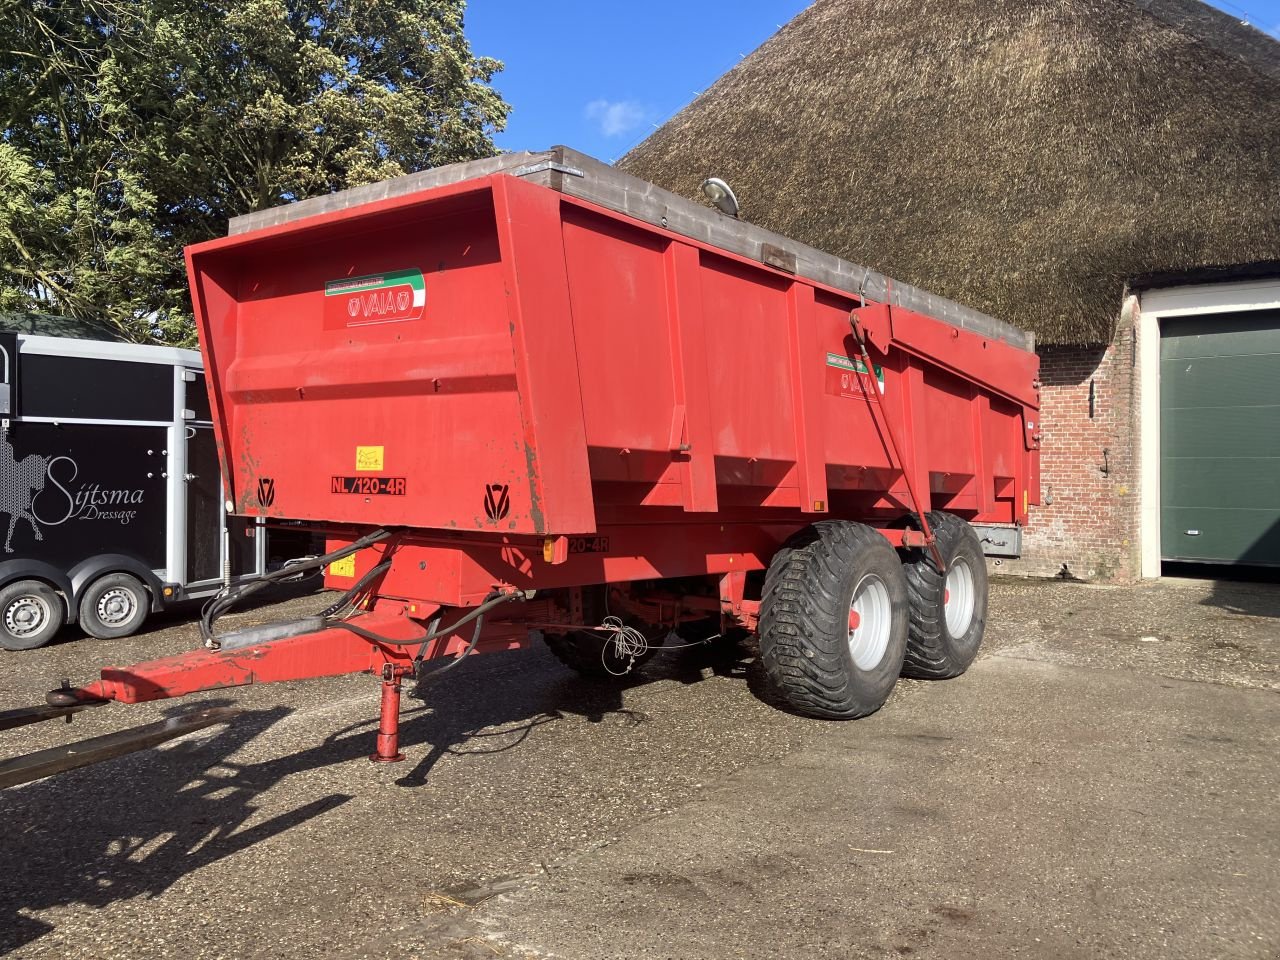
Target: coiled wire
[627,643]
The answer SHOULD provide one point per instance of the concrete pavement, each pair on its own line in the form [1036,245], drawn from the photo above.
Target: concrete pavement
[1102,783]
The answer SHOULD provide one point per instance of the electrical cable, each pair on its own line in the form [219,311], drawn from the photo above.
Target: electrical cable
[672,647]
[628,643]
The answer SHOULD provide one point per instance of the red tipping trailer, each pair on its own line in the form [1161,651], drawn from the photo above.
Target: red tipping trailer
[537,378]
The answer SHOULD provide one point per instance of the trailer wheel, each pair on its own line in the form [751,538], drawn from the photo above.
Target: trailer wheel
[833,620]
[948,613]
[30,614]
[113,606]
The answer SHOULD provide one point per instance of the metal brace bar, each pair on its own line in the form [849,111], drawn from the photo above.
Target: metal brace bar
[882,421]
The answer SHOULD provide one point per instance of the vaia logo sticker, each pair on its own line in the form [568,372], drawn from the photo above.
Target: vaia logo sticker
[497,503]
[850,378]
[378,298]
[266,491]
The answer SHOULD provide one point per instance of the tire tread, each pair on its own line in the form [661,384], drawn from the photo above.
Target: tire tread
[804,652]
[930,653]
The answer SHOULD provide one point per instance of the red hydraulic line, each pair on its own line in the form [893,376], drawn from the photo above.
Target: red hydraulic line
[887,428]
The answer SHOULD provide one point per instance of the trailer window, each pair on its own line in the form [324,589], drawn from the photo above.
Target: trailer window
[87,388]
[198,398]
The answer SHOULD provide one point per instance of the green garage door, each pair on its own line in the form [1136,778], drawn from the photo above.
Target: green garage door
[1220,438]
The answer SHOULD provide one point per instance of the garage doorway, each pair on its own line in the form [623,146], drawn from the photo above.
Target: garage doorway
[1209,360]
[1220,438]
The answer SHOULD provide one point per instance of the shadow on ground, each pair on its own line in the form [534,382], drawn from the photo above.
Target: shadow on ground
[460,723]
[1252,591]
[133,827]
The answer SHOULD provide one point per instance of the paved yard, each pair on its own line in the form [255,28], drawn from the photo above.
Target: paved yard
[1103,783]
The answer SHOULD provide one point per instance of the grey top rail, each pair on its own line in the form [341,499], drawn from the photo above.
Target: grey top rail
[578,175]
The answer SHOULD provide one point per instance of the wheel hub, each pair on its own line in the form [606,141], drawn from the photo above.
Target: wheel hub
[870,622]
[116,606]
[959,598]
[27,615]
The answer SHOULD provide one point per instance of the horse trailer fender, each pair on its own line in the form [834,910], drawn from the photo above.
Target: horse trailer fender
[12,571]
[86,572]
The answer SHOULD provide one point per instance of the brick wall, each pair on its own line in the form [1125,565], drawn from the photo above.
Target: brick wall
[1086,527]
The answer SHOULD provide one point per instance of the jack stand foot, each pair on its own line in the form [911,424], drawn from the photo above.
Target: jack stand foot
[389,723]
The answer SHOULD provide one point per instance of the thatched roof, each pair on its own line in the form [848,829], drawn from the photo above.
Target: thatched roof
[1025,157]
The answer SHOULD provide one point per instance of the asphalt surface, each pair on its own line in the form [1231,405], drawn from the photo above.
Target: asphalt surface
[1102,783]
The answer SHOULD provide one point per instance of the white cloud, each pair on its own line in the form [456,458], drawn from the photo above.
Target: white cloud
[616,117]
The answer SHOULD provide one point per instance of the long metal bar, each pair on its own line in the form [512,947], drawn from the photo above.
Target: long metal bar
[325,653]
[9,719]
[45,763]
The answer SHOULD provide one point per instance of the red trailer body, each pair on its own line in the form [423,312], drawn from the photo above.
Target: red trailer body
[537,378]
[550,392]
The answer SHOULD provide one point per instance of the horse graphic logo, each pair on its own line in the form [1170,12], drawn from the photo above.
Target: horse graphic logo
[21,481]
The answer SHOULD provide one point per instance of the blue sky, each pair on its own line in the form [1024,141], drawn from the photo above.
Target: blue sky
[599,76]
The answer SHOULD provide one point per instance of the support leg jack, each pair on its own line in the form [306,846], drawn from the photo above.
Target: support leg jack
[389,723]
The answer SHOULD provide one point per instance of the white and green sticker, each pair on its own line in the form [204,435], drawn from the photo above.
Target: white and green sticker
[375,298]
[844,374]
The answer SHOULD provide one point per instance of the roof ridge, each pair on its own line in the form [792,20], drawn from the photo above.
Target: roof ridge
[1233,37]
[1048,169]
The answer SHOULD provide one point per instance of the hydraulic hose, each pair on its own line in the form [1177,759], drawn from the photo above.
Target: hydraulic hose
[225,600]
[346,598]
[434,632]
[228,596]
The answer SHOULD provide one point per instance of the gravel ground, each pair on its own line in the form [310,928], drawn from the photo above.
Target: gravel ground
[679,814]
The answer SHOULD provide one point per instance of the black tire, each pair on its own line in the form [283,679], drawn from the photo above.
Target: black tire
[31,613]
[934,651]
[114,606]
[807,634]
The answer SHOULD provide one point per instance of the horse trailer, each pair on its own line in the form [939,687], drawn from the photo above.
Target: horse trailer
[111,502]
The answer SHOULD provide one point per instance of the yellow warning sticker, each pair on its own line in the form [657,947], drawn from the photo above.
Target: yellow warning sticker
[346,567]
[369,458]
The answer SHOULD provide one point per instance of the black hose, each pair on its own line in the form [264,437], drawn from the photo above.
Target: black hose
[227,598]
[433,633]
[220,604]
[354,592]
[475,638]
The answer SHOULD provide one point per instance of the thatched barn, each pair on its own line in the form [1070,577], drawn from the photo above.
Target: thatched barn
[1104,173]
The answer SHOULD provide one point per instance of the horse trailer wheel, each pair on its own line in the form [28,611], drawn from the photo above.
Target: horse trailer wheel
[113,606]
[30,614]
[833,620]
